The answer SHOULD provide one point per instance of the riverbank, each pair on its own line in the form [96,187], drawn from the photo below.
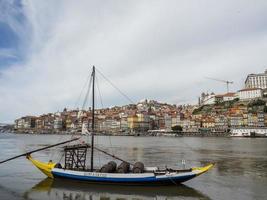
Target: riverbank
[141,134]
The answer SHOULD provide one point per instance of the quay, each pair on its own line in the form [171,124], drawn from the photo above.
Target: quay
[154,133]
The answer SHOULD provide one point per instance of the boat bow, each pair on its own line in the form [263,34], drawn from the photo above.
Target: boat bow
[46,168]
[200,170]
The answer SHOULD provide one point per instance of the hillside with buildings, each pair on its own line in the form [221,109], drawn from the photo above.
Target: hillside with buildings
[214,113]
[143,116]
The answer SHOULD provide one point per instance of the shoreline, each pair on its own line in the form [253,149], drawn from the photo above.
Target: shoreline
[137,134]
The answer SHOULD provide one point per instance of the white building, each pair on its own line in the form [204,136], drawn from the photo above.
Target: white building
[230,96]
[257,80]
[209,99]
[249,93]
[212,99]
[25,122]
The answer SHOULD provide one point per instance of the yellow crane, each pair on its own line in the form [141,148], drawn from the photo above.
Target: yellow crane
[223,81]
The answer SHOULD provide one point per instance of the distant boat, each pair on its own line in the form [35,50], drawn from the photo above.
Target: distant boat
[127,173]
[249,132]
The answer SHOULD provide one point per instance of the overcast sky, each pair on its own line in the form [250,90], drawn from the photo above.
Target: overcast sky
[160,50]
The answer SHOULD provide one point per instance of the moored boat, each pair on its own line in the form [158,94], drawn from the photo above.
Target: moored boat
[249,132]
[151,176]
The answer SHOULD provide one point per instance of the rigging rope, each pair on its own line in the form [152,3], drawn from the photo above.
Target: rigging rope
[87,94]
[53,152]
[112,149]
[99,93]
[114,86]
[85,84]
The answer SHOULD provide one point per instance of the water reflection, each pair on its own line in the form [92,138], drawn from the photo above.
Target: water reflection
[74,190]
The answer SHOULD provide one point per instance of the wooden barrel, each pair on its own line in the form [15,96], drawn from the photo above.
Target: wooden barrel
[113,166]
[138,167]
[58,165]
[124,167]
[109,168]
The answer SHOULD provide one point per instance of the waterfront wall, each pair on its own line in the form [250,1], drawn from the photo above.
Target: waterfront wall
[144,134]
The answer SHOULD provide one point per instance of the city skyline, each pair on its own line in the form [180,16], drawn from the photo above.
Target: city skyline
[150,50]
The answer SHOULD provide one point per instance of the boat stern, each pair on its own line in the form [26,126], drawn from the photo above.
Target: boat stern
[46,168]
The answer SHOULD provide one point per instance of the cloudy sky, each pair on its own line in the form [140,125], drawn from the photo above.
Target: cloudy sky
[160,50]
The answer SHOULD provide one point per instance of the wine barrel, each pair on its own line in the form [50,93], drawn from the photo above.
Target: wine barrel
[104,168]
[113,166]
[58,165]
[109,168]
[124,167]
[138,167]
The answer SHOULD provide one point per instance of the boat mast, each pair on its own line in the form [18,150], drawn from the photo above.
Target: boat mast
[93,120]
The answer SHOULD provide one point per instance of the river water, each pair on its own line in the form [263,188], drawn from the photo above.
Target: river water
[240,171]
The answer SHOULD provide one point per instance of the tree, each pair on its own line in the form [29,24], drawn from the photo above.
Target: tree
[177,128]
[236,99]
[197,110]
[257,102]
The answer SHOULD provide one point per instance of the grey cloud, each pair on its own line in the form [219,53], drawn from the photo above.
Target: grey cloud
[151,49]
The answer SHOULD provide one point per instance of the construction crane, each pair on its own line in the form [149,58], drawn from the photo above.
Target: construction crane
[224,81]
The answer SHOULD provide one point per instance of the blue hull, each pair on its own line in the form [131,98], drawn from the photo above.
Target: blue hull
[148,181]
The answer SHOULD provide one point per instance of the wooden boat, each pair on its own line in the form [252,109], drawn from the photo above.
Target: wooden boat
[75,167]
[149,177]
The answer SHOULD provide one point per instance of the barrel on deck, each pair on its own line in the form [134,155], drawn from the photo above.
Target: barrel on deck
[124,167]
[138,167]
[109,168]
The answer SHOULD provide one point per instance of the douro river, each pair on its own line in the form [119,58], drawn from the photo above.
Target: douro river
[240,171]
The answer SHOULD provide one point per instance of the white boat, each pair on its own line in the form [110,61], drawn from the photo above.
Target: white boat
[248,132]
